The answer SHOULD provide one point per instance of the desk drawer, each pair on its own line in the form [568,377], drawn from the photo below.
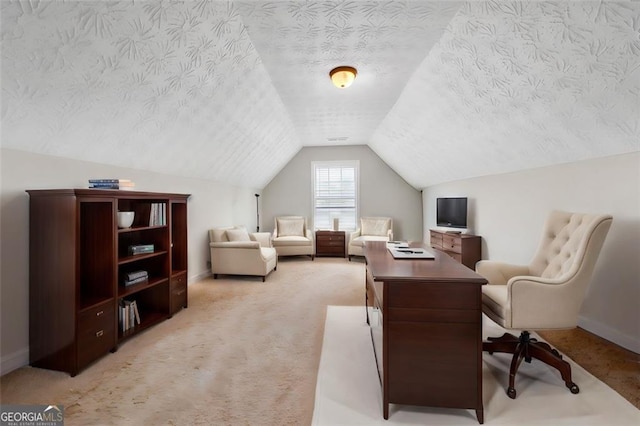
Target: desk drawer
[434,296]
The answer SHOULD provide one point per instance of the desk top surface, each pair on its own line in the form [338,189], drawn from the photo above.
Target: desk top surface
[384,267]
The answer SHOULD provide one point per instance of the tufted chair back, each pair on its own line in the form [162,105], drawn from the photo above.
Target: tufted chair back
[566,243]
[548,293]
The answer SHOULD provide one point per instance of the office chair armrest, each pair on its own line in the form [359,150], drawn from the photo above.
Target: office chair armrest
[542,303]
[498,272]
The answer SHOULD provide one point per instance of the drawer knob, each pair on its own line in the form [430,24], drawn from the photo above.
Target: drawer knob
[99,333]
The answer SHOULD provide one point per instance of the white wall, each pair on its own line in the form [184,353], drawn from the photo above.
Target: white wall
[211,204]
[509,210]
[382,191]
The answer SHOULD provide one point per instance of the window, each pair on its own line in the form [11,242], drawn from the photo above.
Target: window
[335,194]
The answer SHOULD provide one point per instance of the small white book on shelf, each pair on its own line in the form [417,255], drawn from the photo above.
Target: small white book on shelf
[129,314]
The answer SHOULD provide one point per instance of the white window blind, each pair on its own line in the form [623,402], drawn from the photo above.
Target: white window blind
[335,194]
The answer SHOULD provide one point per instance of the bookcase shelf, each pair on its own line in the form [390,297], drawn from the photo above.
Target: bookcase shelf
[135,288]
[139,257]
[148,321]
[78,261]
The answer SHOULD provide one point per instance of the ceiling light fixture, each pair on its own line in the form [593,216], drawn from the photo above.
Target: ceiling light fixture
[342,77]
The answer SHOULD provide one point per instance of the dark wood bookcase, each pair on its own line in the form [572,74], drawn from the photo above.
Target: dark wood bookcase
[78,261]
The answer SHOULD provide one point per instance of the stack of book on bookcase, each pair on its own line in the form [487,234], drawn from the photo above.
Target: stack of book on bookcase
[136,277]
[158,215]
[125,184]
[128,314]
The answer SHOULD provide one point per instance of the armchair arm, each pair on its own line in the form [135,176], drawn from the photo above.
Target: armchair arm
[390,234]
[498,272]
[309,234]
[354,234]
[263,238]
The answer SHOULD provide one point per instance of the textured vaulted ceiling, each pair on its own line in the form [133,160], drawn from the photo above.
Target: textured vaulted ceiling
[230,91]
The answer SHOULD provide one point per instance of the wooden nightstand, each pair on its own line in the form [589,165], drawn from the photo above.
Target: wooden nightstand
[330,243]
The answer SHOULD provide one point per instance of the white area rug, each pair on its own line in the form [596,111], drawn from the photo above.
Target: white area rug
[348,391]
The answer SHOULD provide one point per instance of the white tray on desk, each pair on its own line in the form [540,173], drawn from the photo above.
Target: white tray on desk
[410,253]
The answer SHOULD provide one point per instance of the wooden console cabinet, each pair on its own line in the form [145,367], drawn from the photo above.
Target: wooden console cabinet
[330,243]
[425,317]
[78,260]
[464,248]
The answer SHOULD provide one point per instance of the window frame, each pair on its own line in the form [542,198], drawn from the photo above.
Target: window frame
[355,164]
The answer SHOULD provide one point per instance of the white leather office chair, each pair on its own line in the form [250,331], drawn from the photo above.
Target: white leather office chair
[546,294]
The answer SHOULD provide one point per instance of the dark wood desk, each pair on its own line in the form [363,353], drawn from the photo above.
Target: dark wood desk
[426,327]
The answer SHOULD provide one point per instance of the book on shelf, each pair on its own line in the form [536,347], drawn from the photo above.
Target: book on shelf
[141,249]
[158,214]
[129,315]
[124,184]
[138,280]
[136,313]
[129,276]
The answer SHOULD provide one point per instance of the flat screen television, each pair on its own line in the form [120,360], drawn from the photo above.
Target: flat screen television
[451,212]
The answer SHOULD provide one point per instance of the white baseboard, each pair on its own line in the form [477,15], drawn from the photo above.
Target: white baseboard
[200,276]
[631,343]
[13,361]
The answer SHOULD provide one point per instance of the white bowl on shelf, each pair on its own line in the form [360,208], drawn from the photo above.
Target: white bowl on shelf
[125,219]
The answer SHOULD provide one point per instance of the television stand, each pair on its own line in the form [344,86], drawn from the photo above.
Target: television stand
[465,248]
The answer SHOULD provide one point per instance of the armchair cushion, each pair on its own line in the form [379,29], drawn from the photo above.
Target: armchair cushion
[290,227]
[238,234]
[379,226]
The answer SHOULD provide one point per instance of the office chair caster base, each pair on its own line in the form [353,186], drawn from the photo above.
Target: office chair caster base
[511,393]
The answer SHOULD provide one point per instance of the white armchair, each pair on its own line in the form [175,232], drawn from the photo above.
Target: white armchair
[547,293]
[234,251]
[291,237]
[371,229]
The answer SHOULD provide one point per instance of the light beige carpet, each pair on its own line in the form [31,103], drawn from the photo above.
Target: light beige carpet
[244,353]
[348,391]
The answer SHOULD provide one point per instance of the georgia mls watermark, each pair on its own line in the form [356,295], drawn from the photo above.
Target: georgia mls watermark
[31,415]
